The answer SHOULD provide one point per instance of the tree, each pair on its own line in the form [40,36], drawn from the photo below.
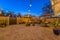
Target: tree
[19,15]
[47,9]
[2,13]
[11,14]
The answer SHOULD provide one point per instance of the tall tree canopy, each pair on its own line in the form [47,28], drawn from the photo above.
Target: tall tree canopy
[48,9]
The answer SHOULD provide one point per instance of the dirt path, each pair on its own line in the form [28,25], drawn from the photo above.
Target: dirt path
[20,32]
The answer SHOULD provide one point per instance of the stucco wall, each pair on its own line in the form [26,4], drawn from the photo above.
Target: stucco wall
[56,6]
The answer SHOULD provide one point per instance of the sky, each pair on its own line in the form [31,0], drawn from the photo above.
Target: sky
[23,5]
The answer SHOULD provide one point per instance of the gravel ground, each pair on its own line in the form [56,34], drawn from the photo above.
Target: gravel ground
[21,32]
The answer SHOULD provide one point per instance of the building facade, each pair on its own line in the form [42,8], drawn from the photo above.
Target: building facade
[56,7]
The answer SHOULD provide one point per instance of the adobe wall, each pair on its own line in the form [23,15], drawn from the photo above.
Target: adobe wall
[56,6]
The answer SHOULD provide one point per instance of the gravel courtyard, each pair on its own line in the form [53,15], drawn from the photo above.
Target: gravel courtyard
[21,32]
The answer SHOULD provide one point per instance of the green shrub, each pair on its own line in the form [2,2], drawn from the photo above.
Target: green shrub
[39,21]
[55,24]
[3,24]
[28,24]
[45,25]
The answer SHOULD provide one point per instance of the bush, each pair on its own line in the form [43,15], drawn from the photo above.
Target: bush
[33,24]
[27,24]
[39,21]
[56,29]
[21,22]
[55,24]
[3,24]
[46,25]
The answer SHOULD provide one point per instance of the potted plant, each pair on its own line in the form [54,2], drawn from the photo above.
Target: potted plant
[56,28]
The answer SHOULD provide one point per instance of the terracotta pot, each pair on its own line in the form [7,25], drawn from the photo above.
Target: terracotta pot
[56,31]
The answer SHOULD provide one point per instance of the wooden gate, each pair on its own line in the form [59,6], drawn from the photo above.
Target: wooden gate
[12,20]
